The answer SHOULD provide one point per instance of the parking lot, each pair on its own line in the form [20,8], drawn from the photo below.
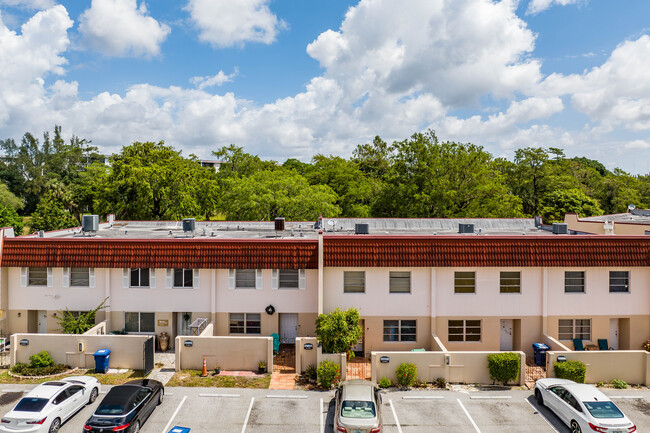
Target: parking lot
[246,410]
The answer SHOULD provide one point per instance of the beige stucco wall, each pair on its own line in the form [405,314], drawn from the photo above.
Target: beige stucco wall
[270,323]
[230,353]
[598,227]
[606,365]
[374,334]
[639,329]
[304,357]
[126,350]
[463,367]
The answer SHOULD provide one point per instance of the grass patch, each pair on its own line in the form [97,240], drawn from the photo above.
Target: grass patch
[192,378]
[104,379]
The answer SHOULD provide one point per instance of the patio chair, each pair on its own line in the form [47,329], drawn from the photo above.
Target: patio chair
[276,343]
[577,344]
[602,344]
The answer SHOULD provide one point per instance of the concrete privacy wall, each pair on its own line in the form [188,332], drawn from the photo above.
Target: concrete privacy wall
[632,366]
[463,367]
[305,357]
[98,329]
[229,353]
[336,358]
[126,350]
[553,344]
[208,331]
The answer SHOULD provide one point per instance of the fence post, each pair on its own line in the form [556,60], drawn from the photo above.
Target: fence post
[522,369]
[177,353]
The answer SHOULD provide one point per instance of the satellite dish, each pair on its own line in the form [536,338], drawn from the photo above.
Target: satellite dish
[631,207]
[331,222]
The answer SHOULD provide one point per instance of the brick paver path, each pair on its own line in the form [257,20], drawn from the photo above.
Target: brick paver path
[533,373]
[284,368]
[358,368]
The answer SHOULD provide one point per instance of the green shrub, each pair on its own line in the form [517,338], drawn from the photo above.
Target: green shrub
[19,367]
[41,359]
[329,374]
[504,367]
[310,372]
[619,384]
[440,382]
[407,374]
[385,383]
[572,370]
[25,370]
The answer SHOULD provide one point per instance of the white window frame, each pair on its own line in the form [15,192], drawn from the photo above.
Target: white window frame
[67,277]
[349,279]
[400,334]
[619,278]
[24,277]
[457,286]
[576,330]
[126,278]
[394,277]
[276,279]
[464,328]
[140,313]
[506,286]
[246,332]
[171,277]
[584,282]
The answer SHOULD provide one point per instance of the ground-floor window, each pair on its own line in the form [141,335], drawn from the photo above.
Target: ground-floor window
[400,330]
[245,323]
[464,330]
[568,329]
[139,322]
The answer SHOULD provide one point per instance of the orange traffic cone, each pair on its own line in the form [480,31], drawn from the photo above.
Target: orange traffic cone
[204,372]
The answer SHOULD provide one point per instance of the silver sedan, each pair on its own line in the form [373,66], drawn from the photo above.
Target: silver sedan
[358,405]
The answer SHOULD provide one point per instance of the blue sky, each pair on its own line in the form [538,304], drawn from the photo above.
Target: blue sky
[290,78]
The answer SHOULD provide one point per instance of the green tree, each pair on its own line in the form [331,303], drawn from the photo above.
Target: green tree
[51,214]
[151,181]
[558,203]
[339,330]
[10,218]
[268,194]
[237,163]
[374,159]
[78,324]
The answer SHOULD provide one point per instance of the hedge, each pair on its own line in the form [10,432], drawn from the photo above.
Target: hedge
[504,367]
[572,370]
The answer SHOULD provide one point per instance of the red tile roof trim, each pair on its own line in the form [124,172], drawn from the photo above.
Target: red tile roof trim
[161,253]
[486,251]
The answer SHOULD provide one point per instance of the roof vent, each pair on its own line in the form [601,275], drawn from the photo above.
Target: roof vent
[279,224]
[90,223]
[362,228]
[465,228]
[189,224]
[41,234]
[560,229]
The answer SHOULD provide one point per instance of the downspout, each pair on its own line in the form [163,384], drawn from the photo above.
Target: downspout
[544,301]
[320,271]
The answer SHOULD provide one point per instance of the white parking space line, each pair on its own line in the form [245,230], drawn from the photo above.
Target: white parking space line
[166,429]
[322,423]
[468,415]
[220,395]
[399,427]
[489,397]
[542,416]
[248,414]
[286,396]
[422,397]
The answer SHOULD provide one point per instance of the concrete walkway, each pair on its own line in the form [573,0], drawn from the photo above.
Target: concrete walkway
[282,380]
[164,366]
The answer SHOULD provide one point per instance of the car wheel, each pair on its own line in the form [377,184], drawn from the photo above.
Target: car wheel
[55,426]
[539,398]
[93,396]
[160,398]
[136,427]
[575,427]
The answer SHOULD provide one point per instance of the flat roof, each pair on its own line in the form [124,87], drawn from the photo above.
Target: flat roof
[304,229]
[620,218]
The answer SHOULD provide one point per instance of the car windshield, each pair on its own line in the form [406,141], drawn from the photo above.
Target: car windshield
[603,409]
[358,409]
[31,404]
[109,409]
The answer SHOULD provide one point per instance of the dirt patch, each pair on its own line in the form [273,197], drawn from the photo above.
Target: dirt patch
[192,378]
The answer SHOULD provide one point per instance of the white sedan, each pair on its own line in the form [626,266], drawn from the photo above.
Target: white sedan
[50,404]
[582,407]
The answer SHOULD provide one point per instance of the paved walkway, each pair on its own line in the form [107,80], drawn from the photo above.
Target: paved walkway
[533,373]
[284,368]
[358,368]
[164,366]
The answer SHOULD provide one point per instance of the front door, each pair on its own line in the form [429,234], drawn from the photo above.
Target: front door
[506,335]
[613,333]
[288,327]
[42,322]
[184,321]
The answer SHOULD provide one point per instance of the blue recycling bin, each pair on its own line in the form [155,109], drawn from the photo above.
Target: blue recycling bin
[539,350]
[177,429]
[101,360]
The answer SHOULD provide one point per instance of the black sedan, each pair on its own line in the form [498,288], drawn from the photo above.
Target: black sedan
[126,407]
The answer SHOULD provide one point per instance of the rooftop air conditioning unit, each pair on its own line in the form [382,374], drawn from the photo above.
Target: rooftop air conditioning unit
[560,229]
[465,228]
[279,224]
[90,223]
[362,228]
[189,224]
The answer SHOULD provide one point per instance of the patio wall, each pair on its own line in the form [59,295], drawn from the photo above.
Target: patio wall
[126,350]
[99,329]
[632,366]
[305,357]
[230,353]
[463,367]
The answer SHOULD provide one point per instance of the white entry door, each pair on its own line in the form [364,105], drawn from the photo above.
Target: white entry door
[613,333]
[288,327]
[506,334]
[42,322]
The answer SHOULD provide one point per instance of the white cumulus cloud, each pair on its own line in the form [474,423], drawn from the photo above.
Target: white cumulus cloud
[29,4]
[122,28]
[537,6]
[225,23]
[214,80]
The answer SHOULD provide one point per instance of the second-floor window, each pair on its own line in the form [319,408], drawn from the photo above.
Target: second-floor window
[574,282]
[139,277]
[619,281]
[465,282]
[510,282]
[399,282]
[289,279]
[245,278]
[37,277]
[183,278]
[354,282]
[79,277]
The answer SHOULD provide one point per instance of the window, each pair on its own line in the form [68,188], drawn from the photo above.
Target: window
[139,277]
[38,276]
[289,279]
[399,330]
[245,278]
[183,278]
[245,323]
[400,282]
[63,396]
[79,277]
[619,281]
[139,322]
[464,330]
[568,329]
[465,282]
[510,282]
[354,282]
[574,282]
